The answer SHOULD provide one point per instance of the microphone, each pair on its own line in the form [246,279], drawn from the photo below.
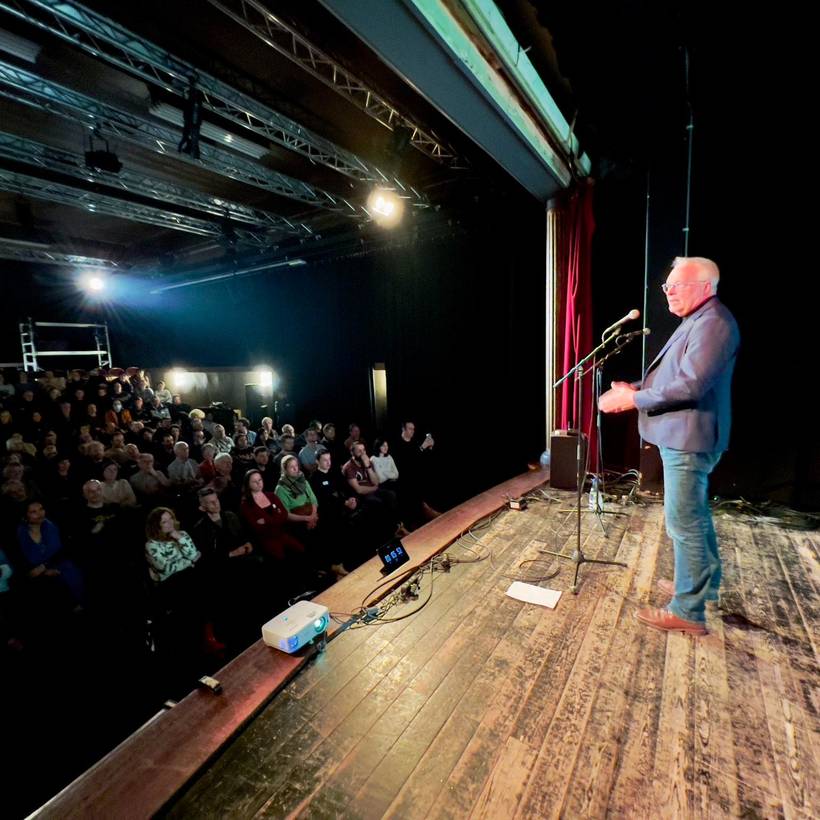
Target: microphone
[645,332]
[633,314]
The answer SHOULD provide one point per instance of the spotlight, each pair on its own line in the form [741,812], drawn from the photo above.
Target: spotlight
[385,207]
[180,379]
[93,283]
[264,377]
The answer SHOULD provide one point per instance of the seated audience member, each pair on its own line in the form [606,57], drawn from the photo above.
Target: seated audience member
[242,453]
[286,444]
[197,440]
[364,482]
[331,443]
[118,416]
[354,436]
[178,408]
[337,532]
[221,442]
[131,464]
[138,410]
[265,516]
[262,462]
[149,484]
[384,465]
[411,457]
[242,427]
[100,539]
[297,495]
[164,454]
[116,452]
[232,567]
[207,469]
[162,393]
[158,410]
[267,434]
[172,557]
[226,482]
[14,471]
[116,490]
[6,390]
[218,534]
[42,552]
[63,488]
[183,471]
[308,453]
[168,550]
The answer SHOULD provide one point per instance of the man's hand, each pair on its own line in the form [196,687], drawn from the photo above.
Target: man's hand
[619,399]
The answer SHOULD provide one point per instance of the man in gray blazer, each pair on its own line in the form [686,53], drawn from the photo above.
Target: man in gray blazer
[684,408]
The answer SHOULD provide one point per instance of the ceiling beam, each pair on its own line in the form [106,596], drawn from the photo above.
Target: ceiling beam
[106,39]
[27,151]
[107,121]
[426,45]
[287,41]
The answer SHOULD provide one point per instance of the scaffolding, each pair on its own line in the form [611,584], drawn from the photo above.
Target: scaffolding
[31,353]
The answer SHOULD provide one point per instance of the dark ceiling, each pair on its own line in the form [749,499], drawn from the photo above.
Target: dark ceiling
[159,214]
[624,73]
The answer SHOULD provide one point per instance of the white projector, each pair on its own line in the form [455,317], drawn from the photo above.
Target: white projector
[300,624]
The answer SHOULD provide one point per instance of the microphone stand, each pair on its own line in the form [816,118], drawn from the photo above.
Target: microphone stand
[578,372]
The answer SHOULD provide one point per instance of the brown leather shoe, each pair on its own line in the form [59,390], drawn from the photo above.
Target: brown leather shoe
[665,621]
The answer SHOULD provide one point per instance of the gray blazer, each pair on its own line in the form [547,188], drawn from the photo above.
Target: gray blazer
[684,400]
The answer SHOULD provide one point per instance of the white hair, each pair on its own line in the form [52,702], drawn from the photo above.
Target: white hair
[706,266]
[222,457]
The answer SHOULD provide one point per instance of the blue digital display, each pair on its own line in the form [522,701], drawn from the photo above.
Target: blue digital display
[393,555]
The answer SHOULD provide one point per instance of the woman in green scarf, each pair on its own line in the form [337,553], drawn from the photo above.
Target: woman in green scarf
[296,494]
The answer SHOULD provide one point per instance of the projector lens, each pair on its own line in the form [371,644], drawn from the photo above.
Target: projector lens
[319,624]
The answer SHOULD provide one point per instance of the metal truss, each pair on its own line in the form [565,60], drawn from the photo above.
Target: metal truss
[112,206]
[55,159]
[269,28]
[21,253]
[107,40]
[107,121]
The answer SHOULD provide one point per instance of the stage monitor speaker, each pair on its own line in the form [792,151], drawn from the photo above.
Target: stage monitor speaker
[651,469]
[563,458]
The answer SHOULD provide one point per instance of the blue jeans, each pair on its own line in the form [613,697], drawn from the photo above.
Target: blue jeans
[689,525]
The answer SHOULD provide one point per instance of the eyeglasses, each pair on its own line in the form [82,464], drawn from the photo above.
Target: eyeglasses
[666,287]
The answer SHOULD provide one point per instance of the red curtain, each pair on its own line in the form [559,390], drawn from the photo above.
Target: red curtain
[576,225]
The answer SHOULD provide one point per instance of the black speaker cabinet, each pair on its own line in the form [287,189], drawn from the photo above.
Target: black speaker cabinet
[651,469]
[563,459]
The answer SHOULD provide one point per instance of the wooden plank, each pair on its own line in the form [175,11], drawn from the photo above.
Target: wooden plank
[553,773]
[758,791]
[632,789]
[150,767]
[407,660]
[481,706]
[605,742]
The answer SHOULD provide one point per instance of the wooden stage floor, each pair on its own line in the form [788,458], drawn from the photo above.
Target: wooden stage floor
[483,706]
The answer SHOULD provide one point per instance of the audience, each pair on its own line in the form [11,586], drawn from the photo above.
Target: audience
[271,517]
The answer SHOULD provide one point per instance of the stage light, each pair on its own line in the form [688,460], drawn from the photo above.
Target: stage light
[385,207]
[93,284]
[264,377]
[180,380]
